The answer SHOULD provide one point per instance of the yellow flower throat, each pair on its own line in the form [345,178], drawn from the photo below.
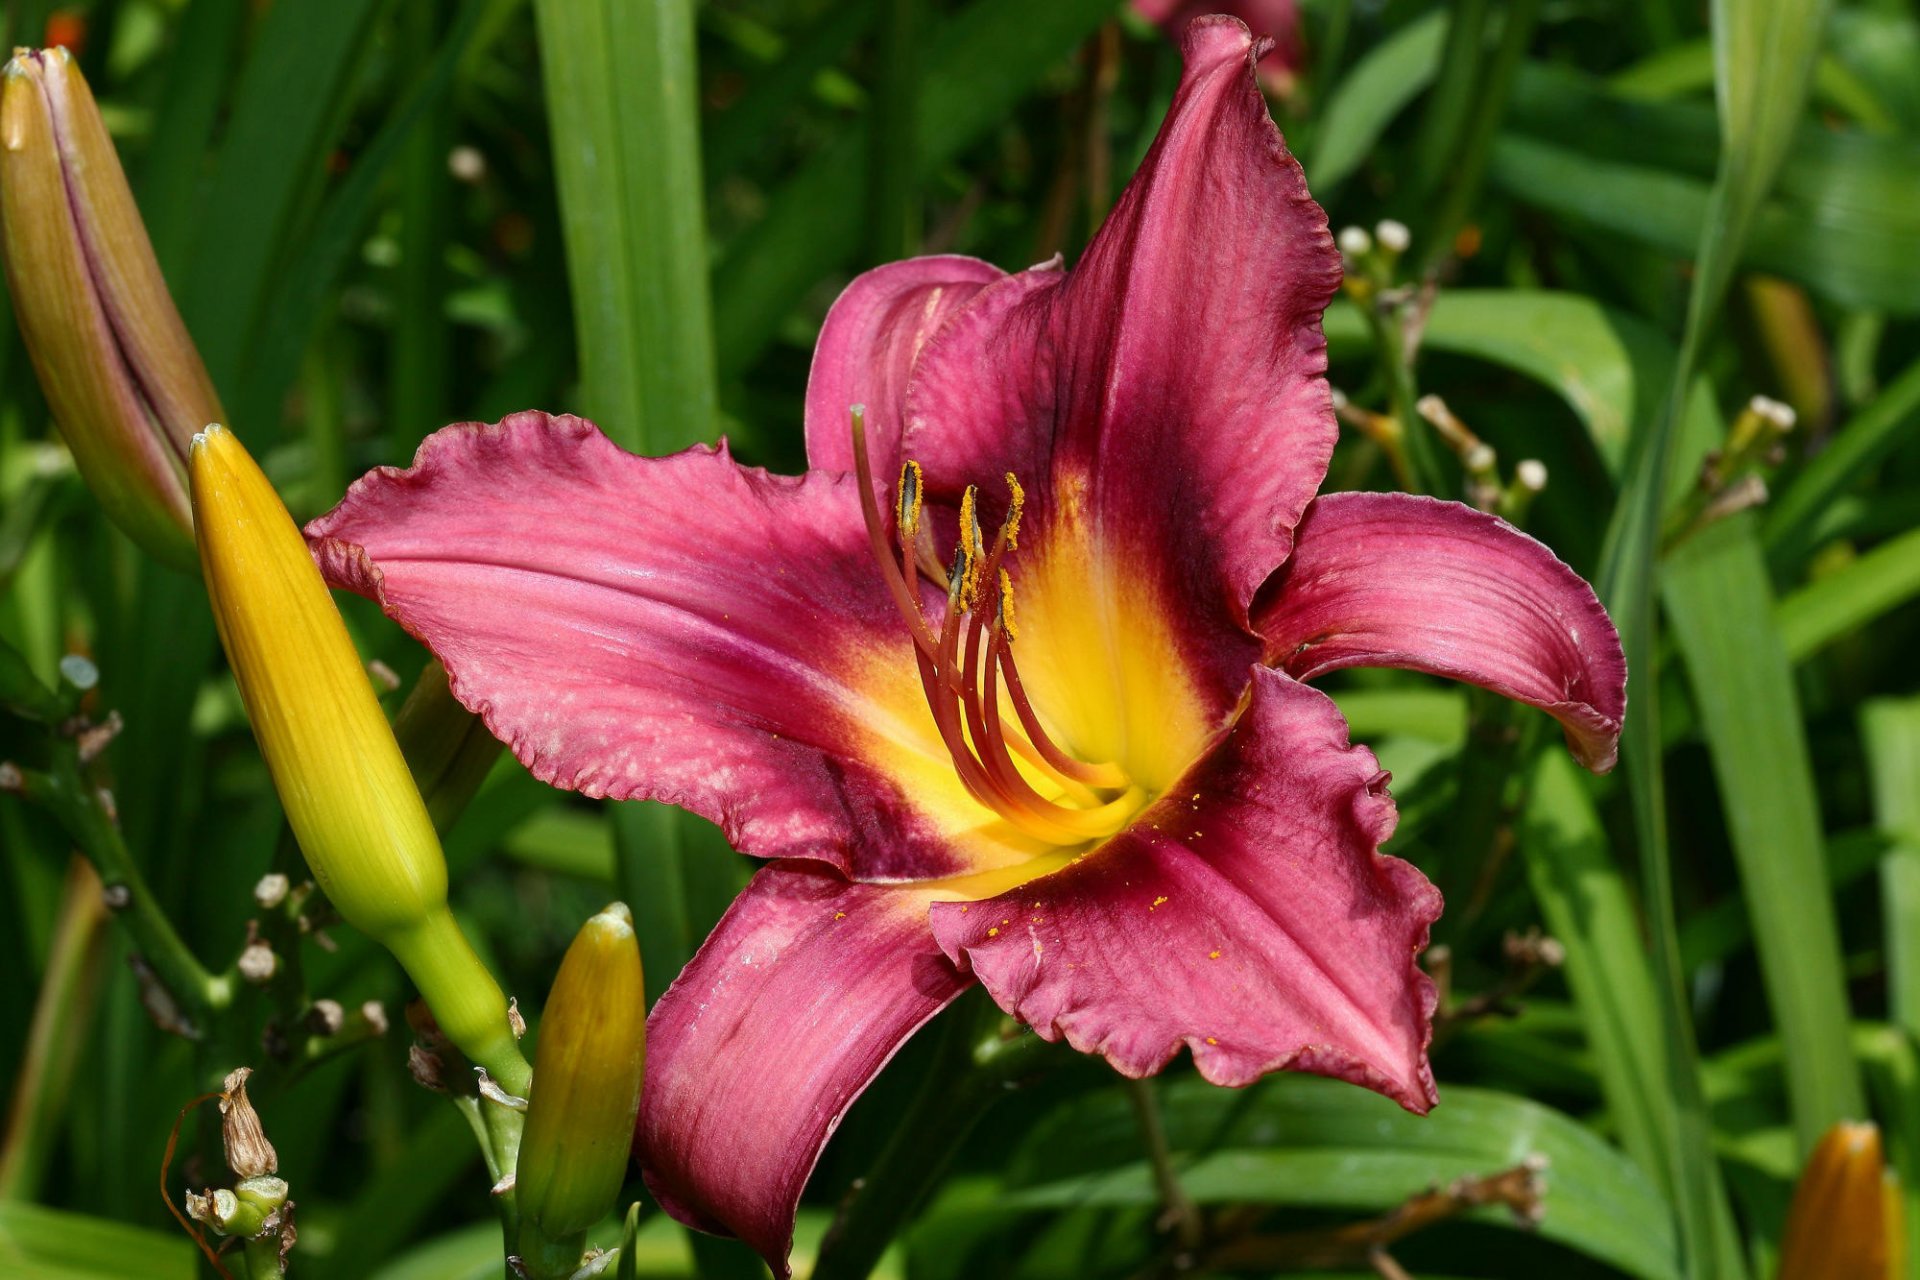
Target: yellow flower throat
[968,663]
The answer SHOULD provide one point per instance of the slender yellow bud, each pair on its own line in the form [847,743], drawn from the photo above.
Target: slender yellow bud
[1845,1223]
[348,796]
[122,377]
[586,1081]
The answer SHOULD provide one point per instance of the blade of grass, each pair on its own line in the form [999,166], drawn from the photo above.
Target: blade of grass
[300,68]
[979,64]
[1872,434]
[1370,97]
[1850,597]
[1720,605]
[1443,122]
[1892,733]
[197,76]
[893,175]
[620,92]
[1765,55]
[422,338]
[300,300]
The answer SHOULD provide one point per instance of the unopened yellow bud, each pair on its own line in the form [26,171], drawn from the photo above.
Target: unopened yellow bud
[122,377]
[348,796]
[1845,1223]
[586,1081]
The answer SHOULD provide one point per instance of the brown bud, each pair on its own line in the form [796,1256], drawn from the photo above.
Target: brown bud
[249,1154]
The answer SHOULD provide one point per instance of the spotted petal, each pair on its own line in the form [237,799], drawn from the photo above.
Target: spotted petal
[1394,580]
[803,992]
[682,629]
[1248,915]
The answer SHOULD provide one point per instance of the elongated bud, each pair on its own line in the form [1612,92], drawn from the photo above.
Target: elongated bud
[348,796]
[586,1081]
[122,377]
[1845,1223]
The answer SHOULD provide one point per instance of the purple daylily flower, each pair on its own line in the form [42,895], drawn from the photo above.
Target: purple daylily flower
[1144,833]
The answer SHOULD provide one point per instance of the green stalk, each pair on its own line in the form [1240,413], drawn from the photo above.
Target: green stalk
[1444,122]
[1416,436]
[1470,170]
[1764,56]
[1892,732]
[62,1015]
[893,176]
[1872,434]
[621,106]
[422,338]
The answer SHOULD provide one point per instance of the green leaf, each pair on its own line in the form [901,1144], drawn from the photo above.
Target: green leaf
[1765,57]
[979,63]
[51,1244]
[1720,603]
[1587,906]
[286,111]
[298,303]
[1850,597]
[1862,443]
[1370,96]
[1302,1141]
[1891,729]
[621,85]
[1855,242]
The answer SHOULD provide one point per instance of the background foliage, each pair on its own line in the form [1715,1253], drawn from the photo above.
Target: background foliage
[1640,215]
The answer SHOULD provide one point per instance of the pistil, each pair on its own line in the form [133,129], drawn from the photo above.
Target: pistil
[962,665]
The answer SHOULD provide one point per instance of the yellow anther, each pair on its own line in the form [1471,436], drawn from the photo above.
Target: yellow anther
[1008,627]
[907,503]
[972,546]
[1016,503]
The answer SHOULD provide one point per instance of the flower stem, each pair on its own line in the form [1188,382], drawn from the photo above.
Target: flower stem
[1385,323]
[61,1017]
[1178,1211]
[64,792]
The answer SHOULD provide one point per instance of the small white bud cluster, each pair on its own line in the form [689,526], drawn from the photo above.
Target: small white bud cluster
[1393,236]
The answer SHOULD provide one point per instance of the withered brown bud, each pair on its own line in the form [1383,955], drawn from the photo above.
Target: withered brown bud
[249,1154]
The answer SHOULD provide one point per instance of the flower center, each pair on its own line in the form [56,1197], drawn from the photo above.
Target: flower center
[968,674]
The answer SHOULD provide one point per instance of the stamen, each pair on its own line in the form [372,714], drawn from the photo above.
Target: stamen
[1104,775]
[906,503]
[972,545]
[960,668]
[903,598]
[1016,503]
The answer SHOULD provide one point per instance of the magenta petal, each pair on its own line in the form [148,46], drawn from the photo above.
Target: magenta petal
[1247,915]
[1278,20]
[872,335]
[1394,580]
[682,629]
[1170,387]
[805,989]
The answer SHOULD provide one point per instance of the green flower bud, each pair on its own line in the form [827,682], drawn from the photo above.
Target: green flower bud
[348,796]
[122,377]
[593,1037]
